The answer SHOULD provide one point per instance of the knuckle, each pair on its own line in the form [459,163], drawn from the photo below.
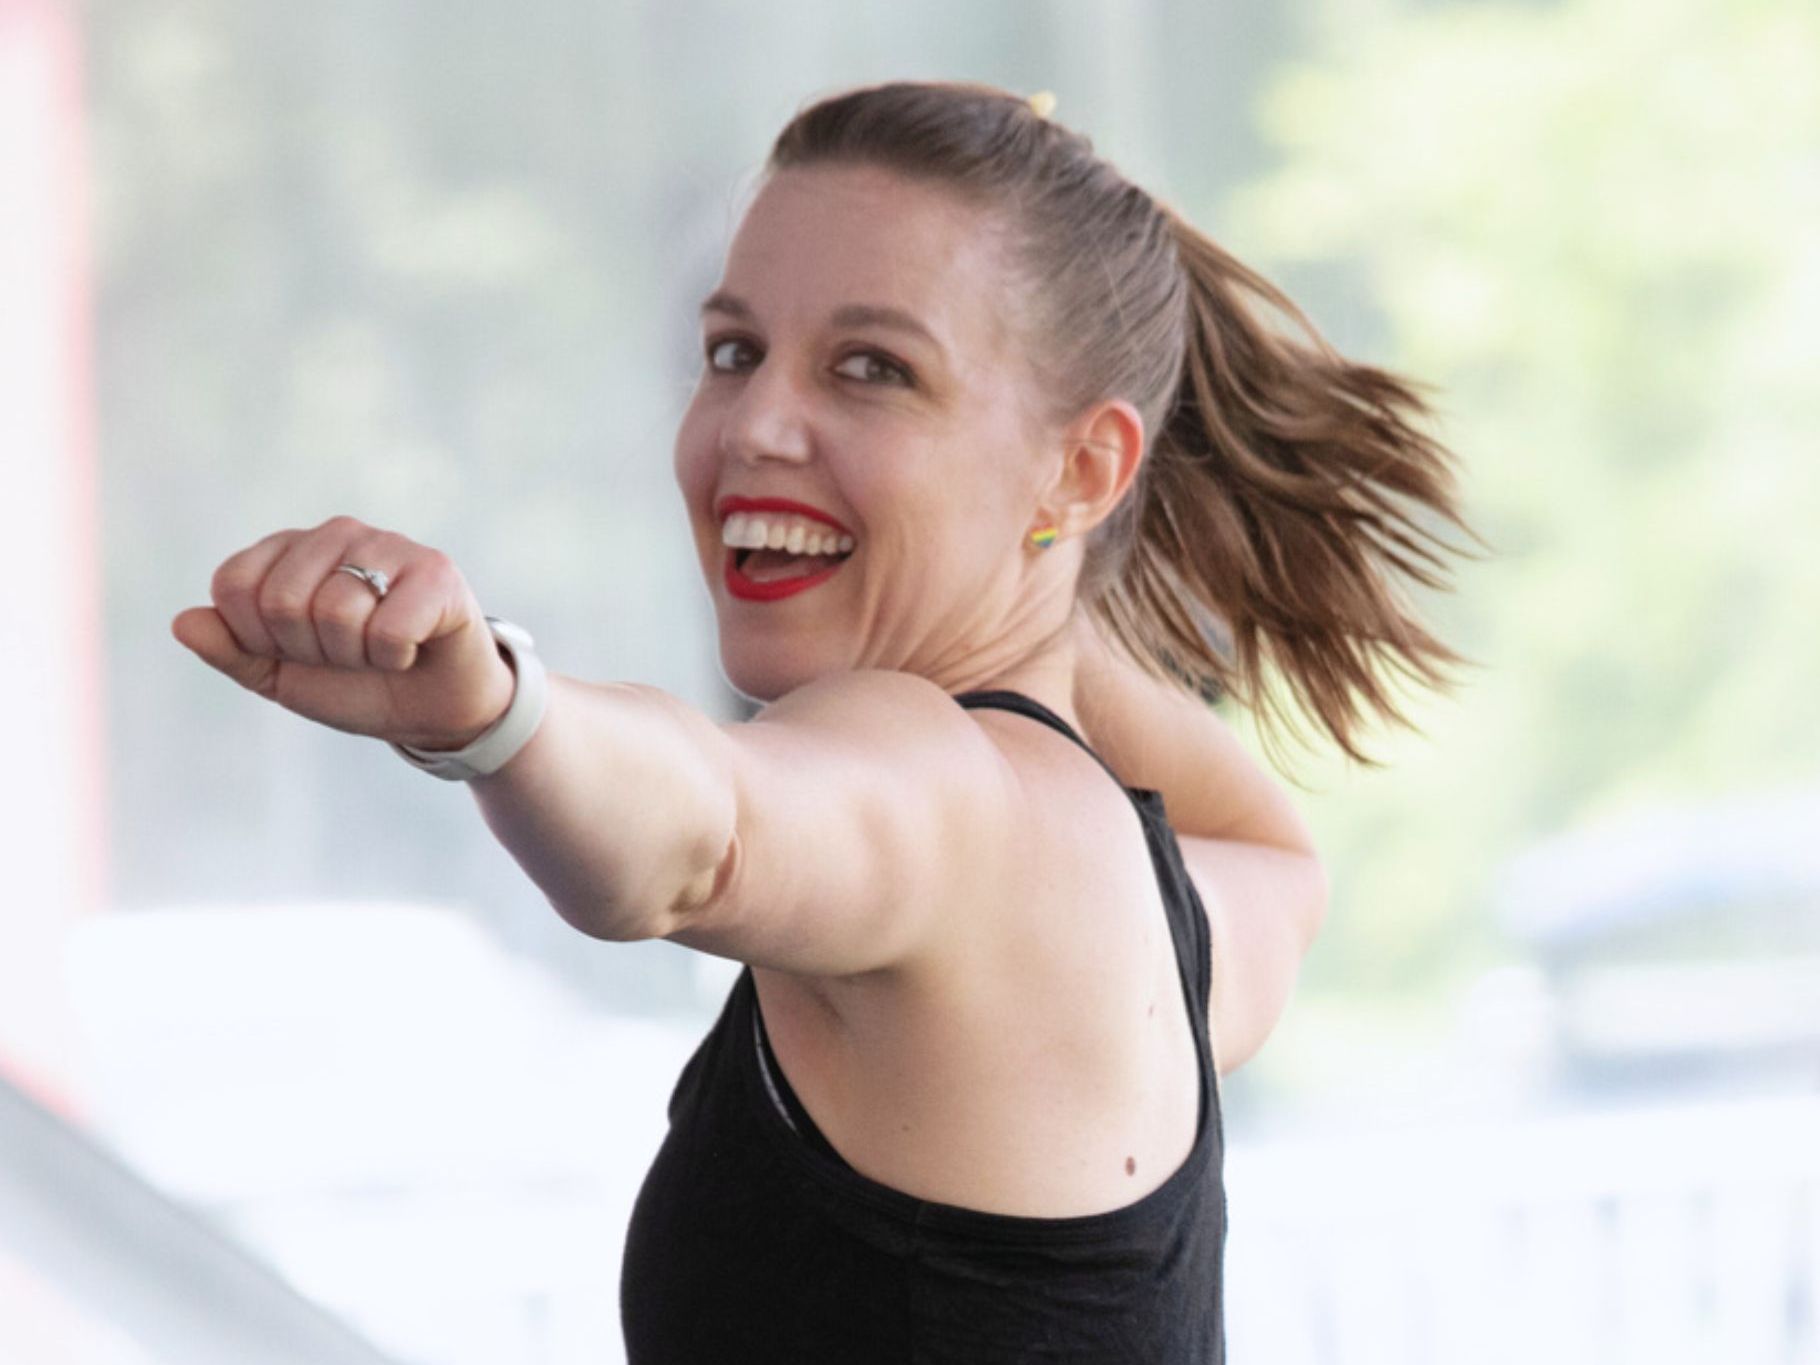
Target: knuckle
[389,639]
[238,576]
[282,605]
[341,521]
[232,583]
[402,546]
[440,572]
[341,620]
[458,584]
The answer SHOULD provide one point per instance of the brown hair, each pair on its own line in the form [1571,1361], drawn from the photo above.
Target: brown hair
[1264,521]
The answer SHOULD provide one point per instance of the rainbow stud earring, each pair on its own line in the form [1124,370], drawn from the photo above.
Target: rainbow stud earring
[1044,538]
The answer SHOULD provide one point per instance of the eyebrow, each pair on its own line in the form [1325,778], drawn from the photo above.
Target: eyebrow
[848,315]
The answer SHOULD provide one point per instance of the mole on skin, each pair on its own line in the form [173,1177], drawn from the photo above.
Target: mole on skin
[1130,1165]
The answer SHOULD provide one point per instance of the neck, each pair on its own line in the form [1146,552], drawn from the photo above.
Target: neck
[1033,645]
[1045,674]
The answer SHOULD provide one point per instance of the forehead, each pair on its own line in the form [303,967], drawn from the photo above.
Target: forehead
[816,238]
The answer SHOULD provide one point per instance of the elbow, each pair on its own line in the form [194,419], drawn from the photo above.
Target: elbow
[706,890]
[701,859]
[602,922]
[630,908]
[668,901]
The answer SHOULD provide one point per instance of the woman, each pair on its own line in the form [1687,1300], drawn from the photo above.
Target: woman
[1009,895]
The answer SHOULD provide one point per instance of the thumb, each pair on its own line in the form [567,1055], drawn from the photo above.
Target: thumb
[203,631]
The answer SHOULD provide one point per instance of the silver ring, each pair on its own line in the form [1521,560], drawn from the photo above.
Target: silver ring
[373,578]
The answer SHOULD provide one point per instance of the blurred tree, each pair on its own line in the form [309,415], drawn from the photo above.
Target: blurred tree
[1595,225]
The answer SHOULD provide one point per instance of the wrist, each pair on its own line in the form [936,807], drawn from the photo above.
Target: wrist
[496,745]
[500,694]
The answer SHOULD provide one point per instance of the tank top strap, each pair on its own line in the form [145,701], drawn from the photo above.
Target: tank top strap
[1187,916]
[1007,700]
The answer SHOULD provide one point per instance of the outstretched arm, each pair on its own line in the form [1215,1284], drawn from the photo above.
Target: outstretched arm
[620,807]
[850,827]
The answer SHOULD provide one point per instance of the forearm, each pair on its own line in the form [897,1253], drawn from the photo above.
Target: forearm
[620,807]
[1155,734]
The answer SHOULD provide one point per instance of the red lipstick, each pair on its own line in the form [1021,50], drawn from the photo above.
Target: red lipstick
[727,506]
[750,589]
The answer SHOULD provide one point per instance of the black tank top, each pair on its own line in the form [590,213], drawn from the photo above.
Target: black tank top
[753,1241]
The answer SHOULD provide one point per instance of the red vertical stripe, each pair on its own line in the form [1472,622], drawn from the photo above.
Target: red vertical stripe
[48,472]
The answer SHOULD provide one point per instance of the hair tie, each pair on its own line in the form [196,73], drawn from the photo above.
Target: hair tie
[1042,103]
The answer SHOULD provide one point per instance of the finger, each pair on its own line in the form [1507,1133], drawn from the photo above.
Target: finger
[290,586]
[205,631]
[429,599]
[344,604]
[234,591]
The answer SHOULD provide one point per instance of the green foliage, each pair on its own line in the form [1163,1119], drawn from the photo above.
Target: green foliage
[1595,225]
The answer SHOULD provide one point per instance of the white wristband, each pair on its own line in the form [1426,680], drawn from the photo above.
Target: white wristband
[510,732]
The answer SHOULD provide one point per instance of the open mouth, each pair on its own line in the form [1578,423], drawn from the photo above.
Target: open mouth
[777,566]
[770,556]
[772,575]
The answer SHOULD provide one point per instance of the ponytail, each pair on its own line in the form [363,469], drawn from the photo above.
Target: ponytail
[1286,490]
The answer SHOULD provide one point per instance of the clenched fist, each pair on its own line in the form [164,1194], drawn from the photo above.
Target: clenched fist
[418,668]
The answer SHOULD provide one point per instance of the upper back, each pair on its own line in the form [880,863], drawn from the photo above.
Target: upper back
[1052,1023]
[957,1205]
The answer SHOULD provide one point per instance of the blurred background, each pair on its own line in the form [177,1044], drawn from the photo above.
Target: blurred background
[296,1064]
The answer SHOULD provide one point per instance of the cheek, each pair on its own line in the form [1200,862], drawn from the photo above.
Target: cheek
[931,509]
[692,459]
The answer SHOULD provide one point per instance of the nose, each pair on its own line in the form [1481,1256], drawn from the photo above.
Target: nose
[768,420]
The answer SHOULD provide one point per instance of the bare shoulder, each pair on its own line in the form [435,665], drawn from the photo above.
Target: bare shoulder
[872,812]
[1084,888]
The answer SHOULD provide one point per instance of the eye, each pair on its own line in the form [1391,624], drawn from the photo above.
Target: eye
[876,367]
[730,353]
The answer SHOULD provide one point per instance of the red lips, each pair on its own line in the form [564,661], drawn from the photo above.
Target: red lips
[751,590]
[727,506]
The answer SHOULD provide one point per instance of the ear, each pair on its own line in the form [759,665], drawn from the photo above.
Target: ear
[1101,451]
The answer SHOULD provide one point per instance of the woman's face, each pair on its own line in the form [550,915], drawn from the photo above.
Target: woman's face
[860,361]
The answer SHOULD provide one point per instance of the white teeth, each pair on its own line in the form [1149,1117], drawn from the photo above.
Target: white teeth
[742,531]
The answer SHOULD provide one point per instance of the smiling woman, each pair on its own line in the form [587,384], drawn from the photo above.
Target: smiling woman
[855,367]
[1061,438]
[984,438]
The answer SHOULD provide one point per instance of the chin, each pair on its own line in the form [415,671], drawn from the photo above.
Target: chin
[759,673]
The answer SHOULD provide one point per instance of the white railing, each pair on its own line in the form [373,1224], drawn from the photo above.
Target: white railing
[1684,1234]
